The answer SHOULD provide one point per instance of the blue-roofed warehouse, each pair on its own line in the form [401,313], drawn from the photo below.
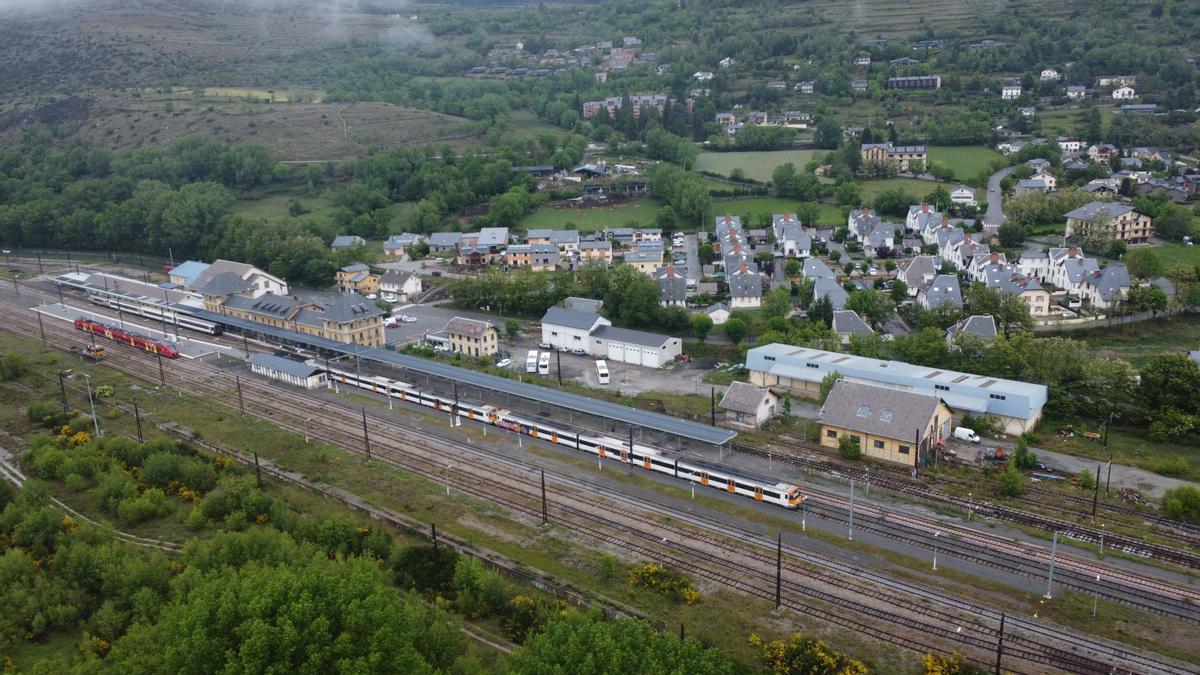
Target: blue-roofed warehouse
[1017,406]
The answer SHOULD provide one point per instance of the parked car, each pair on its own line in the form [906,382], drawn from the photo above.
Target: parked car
[504,363]
[544,345]
[578,352]
[372,296]
[408,319]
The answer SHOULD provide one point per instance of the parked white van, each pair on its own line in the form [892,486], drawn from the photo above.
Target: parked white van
[965,434]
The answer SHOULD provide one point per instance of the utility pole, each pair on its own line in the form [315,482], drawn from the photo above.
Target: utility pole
[1000,644]
[366,438]
[92,403]
[42,328]
[39,257]
[16,289]
[778,569]
[1096,493]
[1050,576]
[1108,484]
[62,387]
[712,408]
[257,472]
[558,357]
[241,403]
[433,534]
[630,463]
[545,520]
[162,375]
[851,537]
[453,414]
[246,345]
[137,416]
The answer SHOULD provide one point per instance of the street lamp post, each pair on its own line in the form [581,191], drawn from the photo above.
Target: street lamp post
[447,474]
[306,421]
[850,534]
[1050,576]
[662,552]
[1101,540]
[970,507]
[1096,597]
[935,549]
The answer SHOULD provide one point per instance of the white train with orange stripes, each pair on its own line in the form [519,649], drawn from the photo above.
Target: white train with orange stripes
[605,448]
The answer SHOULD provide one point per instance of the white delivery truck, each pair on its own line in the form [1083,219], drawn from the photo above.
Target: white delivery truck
[602,371]
[544,364]
[531,361]
[965,434]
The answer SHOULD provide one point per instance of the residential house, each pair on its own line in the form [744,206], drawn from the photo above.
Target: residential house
[1148,154]
[727,62]
[1007,279]
[1116,81]
[596,251]
[471,337]
[492,242]
[815,268]
[673,287]
[806,87]
[793,242]
[921,217]
[745,286]
[1048,179]
[1075,92]
[703,75]
[397,245]
[919,272]
[915,82]
[900,155]
[725,119]
[1010,90]
[1050,75]
[1017,406]
[944,289]
[357,278]
[646,262]
[444,243]
[1069,146]
[847,323]
[756,117]
[890,425]
[344,241]
[719,313]
[472,256]
[903,62]
[828,287]
[979,325]
[1038,164]
[1106,287]
[747,405]
[963,195]
[1138,109]
[537,257]
[1124,94]
[1114,219]
[1101,153]
[1027,111]
[1030,185]
[1103,186]
[858,86]
[565,240]
[862,60]
[399,286]
[1074,164]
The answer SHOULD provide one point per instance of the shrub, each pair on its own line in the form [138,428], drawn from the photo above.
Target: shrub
[984,425]
[1086,481]
[45,413]
[424,568]
[848,448]
[656,578]
[1022,457]
[115,486]
[75,482]
[1182,502]
[151,504]
[477,591]
[1176,468]
[1012,481]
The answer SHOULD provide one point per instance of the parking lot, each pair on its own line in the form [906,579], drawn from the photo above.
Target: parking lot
[429,319]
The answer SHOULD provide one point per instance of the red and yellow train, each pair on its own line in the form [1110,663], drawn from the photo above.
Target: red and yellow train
[136,341]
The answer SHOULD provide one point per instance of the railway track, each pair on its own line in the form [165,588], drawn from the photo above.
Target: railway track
[1075,531]
[281,406]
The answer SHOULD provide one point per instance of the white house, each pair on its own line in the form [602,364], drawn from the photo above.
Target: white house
[399,287]
[719,313]
[1070,146]
[1011,90]
[703,75]
[1047,179]
[1076,92]
[727,62]
[748,405]
[1124,94]
[963,195]
[1050,75]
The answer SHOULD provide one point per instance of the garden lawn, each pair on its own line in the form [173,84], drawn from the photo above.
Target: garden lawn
[639,211]
[1178,256]
[966,161]
[756,165]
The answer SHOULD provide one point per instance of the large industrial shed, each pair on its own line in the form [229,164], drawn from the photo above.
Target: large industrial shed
[573,329]
[634,347]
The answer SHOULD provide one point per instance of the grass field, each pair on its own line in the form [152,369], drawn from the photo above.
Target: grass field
[916,187]
[756,165]
[1178,256]
[640,211]
[965,161]
[275,207]
[524,123]
[1143,341]
[276,95]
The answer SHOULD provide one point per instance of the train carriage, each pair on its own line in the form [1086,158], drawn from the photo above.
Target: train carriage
[759,488]
[131,339]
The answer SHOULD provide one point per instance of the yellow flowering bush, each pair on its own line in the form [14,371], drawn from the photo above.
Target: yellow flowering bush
[656,578]
[810,656]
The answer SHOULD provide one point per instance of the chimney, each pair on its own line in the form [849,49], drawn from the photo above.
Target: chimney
[995,258]
[1072,252]
[866,212]
[924,207]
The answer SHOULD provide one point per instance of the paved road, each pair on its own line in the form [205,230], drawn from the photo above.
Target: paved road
[995,198]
